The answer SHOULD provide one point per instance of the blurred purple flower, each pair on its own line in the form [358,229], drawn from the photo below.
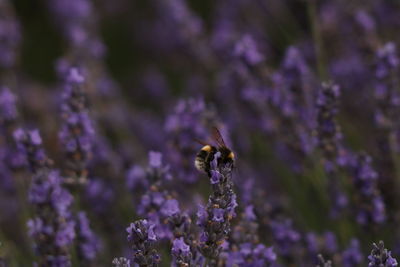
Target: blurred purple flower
[88,243]
[10,36]
[77,132]
[52,228]
[352,256]
[246,49]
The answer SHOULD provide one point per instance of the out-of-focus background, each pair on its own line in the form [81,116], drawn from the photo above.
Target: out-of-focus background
[306,93]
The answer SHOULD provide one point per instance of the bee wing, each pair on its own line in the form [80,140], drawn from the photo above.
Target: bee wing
[201,142]
[217,137]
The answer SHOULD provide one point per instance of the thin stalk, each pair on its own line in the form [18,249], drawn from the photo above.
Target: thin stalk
[317,38]
[393,144]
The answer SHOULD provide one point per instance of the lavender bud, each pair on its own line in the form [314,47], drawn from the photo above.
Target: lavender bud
[381,257]
[181,253]
[30,144]
[142,238]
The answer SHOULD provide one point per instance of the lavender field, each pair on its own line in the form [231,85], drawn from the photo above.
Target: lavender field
[183,133]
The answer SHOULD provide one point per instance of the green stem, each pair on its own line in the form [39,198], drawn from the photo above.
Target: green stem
[393,144]
[317,38]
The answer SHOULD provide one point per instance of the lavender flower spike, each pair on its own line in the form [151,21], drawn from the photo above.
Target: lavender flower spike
[328,130]
[88,243]
[381,257]
[215,218]
[181,253]
[371,207]
[77,130]
[142,238]
[52,229]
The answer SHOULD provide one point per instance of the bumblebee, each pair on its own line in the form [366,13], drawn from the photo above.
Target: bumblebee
[206,154]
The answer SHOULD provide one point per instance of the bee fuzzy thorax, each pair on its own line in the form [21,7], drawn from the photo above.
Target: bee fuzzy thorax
[207,154]
[203,157]
[206,148]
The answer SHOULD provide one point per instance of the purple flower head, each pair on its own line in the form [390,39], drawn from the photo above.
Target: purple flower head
[202,215]
[140,231]
[155,159]
[52,228]
[218,215]
[74,76]
[365,20]
[136,178]
[329,141]
[170,207]
[142,238]
[65,234]
[370,207]
[215,177]
[180,247]
[330,241]
[88,242]
[380,256]
[249,213]
[312,242]
[29,144]
[77,130]
[387,59]
[266,253]
[251,255]
[181,253]
[386,95]
[214,162]
[285,236]
[8,110]
[246,48]
[352,256]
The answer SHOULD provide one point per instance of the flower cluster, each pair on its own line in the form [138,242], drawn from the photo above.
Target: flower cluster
[371,207]
[380,256]
[142,238]
[387,97]
[328,130]
[77,130]
[214,219]
[87,242]
[316,177]
[52,228]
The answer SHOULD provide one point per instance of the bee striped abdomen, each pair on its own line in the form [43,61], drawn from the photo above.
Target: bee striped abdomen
[202,161]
